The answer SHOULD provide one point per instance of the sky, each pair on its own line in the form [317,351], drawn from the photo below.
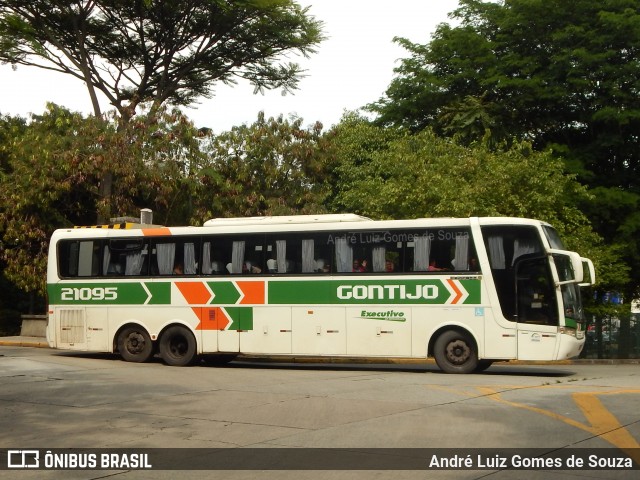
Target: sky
[352,67]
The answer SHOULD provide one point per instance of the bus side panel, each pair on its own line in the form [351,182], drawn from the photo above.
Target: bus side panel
[209,340]
[81,328]
[537,342]
[319,331]
[270,331]
[71,328]
[379,331]
[500,335]
[98,330]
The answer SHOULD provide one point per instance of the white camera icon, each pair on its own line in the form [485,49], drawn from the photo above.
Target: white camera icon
[23,459]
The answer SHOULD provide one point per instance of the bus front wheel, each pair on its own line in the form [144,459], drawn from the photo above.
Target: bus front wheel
[134,344]
[455,352]
[177,346]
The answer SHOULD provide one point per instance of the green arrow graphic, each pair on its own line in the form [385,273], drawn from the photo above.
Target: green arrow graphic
[224,293]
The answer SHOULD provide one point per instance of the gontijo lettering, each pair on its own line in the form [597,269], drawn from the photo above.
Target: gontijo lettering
[387,292]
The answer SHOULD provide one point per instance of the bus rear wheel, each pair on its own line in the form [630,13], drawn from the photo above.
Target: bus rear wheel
[483,365]
[134,344]
[177,346]
[455,352]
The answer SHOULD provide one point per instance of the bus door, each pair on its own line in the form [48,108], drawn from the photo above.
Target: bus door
[537,308]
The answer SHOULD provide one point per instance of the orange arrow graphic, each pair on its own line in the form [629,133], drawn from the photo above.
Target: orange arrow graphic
[195,293]
[213,318]
[455,288]
[253,293]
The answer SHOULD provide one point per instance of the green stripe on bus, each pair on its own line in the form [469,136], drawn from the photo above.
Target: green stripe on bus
[110,293]
[296,292]
[428,291]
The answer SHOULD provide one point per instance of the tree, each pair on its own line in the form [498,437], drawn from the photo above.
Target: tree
[384,173]
[55,163]
[163,162]
[138,52]
[157,51]
[559,74]
[270,167]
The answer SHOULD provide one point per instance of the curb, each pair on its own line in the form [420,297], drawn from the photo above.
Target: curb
[37,342]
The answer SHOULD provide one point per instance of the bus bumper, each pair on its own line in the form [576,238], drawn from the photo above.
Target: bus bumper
[569,347]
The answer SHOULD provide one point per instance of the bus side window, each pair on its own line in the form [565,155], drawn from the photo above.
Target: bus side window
[211,262]
[125,257]
[111,262]
[79,258]
[277,250]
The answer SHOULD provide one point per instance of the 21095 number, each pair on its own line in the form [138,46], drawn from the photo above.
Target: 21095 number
[69,294]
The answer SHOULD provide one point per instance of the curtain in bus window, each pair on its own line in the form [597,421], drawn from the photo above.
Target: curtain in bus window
[378,258]
[165,256]
[85,259]
[523,246]
[344,255]
[496,252]
[207,266]
[190,266]
[421,253]
[133,265]
[308,254]
[281,256]
[461,260]
[106,260]
[237,256]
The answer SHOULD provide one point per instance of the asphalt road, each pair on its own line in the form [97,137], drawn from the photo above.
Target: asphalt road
[54,400]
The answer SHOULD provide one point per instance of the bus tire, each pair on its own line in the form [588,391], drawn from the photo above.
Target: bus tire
[177,346]
[483,365]
[219,359]
[455,352]
[134,344]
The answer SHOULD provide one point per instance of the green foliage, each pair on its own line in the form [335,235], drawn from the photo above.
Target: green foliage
[56,164]
[546,70]
[419,175]
[384,173]
[159,160]
[270,167]
[559,74]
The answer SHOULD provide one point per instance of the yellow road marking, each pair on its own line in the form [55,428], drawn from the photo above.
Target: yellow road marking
[606,425]
[602,422]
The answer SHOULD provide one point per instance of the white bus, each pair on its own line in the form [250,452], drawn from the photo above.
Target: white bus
[465,291]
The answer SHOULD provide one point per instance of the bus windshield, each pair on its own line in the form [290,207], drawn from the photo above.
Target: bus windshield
[553,238]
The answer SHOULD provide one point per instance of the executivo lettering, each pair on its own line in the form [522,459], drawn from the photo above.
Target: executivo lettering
[387,292]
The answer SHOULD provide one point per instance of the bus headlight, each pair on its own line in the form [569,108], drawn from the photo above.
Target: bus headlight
[577,333]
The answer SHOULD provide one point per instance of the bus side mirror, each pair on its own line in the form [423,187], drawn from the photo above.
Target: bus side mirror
[576,263]
[569,267]
[588,267]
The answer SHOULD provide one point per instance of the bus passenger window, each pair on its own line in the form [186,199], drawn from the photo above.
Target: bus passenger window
[211,262]
[79,258]
[165,258]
